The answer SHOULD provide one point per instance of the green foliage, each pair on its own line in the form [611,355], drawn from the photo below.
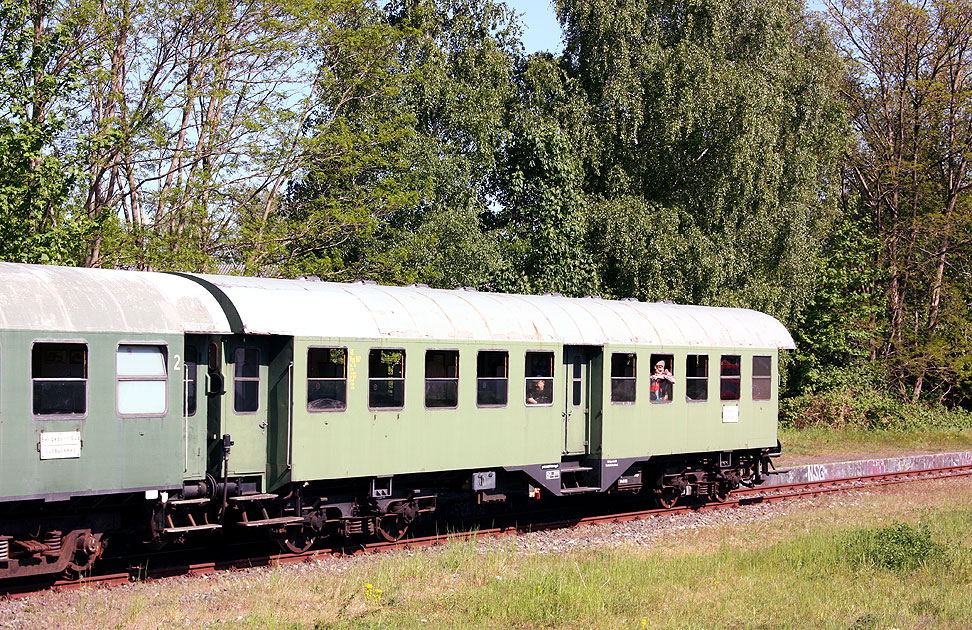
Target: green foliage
[901,547]
[37,171]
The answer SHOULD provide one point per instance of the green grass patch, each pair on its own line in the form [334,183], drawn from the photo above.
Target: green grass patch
[901,575]
[826,441]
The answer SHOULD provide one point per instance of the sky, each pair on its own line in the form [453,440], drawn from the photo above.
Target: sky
[542,32]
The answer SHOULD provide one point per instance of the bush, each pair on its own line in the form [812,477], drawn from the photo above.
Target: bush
[867,408]
[899,547]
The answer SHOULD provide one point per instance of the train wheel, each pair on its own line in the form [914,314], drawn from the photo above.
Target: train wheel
[666,497]
[720,492]
[89,548]
[296,540]
[392,527]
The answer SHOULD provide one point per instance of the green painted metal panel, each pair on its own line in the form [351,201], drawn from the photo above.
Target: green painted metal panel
[116,453]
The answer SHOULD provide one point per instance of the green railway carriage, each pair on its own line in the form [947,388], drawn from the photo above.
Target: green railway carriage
[307,408]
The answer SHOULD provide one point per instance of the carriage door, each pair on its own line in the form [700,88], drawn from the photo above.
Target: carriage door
[245,404]
[580,364]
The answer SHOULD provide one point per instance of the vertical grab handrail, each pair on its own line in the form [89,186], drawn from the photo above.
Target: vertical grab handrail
[290,416]
[185,410]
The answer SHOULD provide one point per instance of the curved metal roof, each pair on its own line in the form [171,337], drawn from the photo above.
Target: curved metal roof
[316,309]
[44,297]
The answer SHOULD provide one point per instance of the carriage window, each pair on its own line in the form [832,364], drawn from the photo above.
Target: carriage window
[762,377]
[246,380]
[662,378]
[441,378]
[192,361]
[492,378]
[142,381]
[327,379]
[623,377]
[539,378]
[729,377]
[697,377]
[386,379]
[59,377]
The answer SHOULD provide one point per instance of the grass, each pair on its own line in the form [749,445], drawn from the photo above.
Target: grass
[891,559]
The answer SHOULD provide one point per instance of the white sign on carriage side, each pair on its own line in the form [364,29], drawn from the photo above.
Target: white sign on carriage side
[730,413]
[60,445]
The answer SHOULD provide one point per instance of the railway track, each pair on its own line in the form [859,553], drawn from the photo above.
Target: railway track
[738,498]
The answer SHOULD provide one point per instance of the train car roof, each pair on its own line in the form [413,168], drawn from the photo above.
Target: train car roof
[44,297]
[310,308]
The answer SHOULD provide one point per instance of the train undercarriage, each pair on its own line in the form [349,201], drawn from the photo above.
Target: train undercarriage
[38,539]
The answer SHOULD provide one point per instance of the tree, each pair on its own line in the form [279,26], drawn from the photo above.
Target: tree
[36,165]
[716,129]
[911,106]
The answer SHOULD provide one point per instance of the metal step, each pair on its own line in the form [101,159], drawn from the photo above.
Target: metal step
[572,467]
[579,490]
[191,528]
[253,497]
[199,501]
[280,520]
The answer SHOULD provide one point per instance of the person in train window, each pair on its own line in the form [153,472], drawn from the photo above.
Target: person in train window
[539,393]
[662,380]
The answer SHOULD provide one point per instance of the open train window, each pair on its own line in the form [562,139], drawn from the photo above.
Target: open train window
[327,379]
[386,379]
[762,377]
[246,380]
[623,377]
[441,378]
[142,380]
[539,378]
[697,377]
[59,379]
[662,378]
[729,377]
[492,378]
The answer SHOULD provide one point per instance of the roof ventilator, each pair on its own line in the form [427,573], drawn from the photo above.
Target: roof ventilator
[360,281]
[630,299]
[418,285]
[592,297]
[664,302]
[309,278]
[554,294]
[474,289]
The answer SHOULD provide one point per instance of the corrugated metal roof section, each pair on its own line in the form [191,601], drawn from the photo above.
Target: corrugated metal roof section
[43,297]
[318,309]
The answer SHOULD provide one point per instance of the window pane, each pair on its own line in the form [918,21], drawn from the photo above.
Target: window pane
[697,389]
[59,397]
[762,366]
[539,391]
[141,397]
[59,360]
[326,362]
[492,391]
[247,363]
[441,364]
[246,398]
[386,364]
[762,388]
[325,395]
[140,361]
[492,364]
[622,364]
[443,393]
[577,393]
[192,359]
[539,364]
[622,390]
[730,365]
[386,393]
[697,366]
